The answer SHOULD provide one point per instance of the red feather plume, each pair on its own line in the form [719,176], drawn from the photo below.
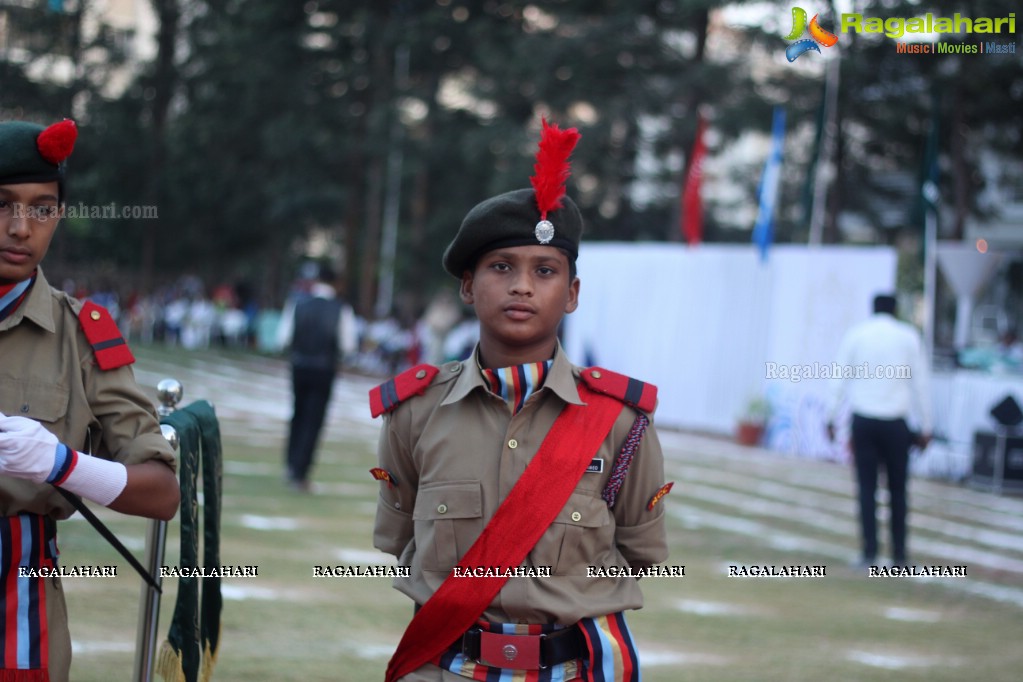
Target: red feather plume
[56,142]
[552,167]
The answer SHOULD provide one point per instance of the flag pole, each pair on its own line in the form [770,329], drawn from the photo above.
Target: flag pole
[930,264]
[824,171]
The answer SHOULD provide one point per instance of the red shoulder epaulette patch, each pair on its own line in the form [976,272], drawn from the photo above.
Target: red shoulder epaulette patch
[390,394]
[108,345]
[630,391]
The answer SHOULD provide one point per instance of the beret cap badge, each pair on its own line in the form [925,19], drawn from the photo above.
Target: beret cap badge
[544,231]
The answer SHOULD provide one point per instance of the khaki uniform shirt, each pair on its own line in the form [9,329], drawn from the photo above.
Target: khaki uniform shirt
[48,373]
[456,452]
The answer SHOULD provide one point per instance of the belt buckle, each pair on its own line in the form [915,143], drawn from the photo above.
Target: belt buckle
[512,652]
[539,656]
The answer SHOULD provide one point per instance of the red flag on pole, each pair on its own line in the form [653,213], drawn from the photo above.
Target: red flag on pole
[692,207]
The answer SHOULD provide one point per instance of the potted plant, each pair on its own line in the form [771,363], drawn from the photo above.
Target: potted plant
[752,422]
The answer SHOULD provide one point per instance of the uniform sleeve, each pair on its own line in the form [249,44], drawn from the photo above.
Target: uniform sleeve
[129,429]
[640,533]
[393,530]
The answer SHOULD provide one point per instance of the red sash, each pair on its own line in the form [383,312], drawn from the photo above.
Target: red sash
[531,506]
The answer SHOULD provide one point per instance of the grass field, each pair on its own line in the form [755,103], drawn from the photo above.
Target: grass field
[730,506]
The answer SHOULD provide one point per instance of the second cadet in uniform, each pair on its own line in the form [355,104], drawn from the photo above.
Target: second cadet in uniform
[66,392]
[458,440]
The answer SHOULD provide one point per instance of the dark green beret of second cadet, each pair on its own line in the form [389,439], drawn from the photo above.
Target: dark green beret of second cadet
[511,219]
[32,153]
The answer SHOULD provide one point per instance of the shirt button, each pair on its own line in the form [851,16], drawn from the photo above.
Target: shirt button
[576,516]
[442,509]
[513,444]
[397,505]
[24,408]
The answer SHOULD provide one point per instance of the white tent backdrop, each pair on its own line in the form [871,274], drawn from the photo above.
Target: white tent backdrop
[702,323]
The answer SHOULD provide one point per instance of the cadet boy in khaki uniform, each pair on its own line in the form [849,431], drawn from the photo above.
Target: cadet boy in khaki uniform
[457,445]
[66,392]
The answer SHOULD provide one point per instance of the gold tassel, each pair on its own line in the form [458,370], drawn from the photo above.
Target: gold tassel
[169,664]
[209,658]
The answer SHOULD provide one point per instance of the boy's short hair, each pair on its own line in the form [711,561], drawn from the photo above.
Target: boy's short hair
[511,219]
[885,303]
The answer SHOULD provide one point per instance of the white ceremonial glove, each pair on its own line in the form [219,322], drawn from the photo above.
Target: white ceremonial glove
[27,450]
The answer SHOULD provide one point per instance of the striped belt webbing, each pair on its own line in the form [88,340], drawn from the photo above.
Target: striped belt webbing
[26,541]
[612,655]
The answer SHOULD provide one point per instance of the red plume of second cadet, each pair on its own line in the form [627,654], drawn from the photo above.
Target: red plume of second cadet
[56,142]
[552,167]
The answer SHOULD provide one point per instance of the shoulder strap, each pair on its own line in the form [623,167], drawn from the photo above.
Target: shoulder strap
[101,331]
[524,515]
[388,395]
[632,392]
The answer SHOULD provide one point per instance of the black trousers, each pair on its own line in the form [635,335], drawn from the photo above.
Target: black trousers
[311,389]
[881,443]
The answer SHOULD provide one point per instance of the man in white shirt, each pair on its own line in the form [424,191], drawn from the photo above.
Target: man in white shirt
[886,380]
[320,331]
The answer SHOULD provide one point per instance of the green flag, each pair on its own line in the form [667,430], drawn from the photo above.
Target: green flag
[190,651]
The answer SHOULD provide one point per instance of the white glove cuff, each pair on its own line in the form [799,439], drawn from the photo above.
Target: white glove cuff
[95,479]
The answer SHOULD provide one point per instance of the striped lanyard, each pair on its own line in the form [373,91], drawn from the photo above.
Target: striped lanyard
[11,295]
[516,384]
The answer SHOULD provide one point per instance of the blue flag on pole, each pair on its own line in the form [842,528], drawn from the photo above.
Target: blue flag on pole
[763,229]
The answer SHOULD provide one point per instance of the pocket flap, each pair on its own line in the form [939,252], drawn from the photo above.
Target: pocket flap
[35,400]
[584,511]
[449,500]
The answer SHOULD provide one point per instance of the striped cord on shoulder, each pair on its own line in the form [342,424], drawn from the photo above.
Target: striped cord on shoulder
[624,460]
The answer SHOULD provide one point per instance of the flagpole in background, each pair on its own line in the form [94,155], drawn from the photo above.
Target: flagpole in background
[763,229]
[824,171]
[929,190]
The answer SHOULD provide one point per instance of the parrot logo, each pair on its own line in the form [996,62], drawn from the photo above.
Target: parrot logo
[818,36]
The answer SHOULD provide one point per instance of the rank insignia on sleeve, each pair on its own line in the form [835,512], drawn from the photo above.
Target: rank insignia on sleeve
[101,331]
[659,495]
[384,475]
[388,395]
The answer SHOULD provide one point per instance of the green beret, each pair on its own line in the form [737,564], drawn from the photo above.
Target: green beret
[512,219]
[33,153]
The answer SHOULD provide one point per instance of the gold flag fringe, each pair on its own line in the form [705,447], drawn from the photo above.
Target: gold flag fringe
[209,660]
[169,664]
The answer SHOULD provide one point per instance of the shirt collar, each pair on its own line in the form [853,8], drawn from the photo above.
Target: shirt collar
[36,306]
[560,380]
[322,290]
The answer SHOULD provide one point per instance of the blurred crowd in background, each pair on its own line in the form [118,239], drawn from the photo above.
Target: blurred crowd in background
[198,315]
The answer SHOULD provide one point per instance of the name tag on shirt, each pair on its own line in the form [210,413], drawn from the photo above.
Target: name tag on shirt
[596,466]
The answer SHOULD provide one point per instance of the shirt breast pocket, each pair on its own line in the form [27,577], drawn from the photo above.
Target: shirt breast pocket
[43,402]
[448,518]
[580,536]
